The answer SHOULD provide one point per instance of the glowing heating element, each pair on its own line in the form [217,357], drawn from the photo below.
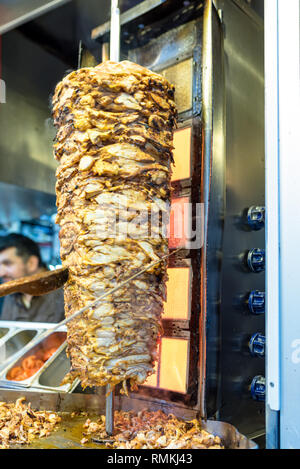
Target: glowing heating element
[180,223]
[173,364]
[172,370]
[182,154]
[177,305]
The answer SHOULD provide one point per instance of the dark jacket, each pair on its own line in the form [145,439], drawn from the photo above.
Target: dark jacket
[45,308]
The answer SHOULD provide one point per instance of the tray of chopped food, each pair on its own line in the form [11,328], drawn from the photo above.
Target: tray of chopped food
[23,426]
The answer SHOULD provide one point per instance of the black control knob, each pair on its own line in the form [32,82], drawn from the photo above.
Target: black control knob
[256,260]
[256,217]
[256,302]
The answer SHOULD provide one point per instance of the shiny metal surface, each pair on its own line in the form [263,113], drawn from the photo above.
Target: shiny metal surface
[181,76]
[252,8]
[48,378]
[109,410]
[114,53]
[65,403]
[207,129]
[52,375]
[28,334]
[127,16]
[22,339]
[244,78]
[171,47]
[213,195]
[12,344]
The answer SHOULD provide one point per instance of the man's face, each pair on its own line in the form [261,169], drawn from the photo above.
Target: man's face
[12,266]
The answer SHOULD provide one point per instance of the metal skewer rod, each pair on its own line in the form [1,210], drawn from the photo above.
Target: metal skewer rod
[114,31]
[114,55]
[109,409]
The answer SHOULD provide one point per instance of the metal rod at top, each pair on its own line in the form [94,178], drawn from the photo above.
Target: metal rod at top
[114,31]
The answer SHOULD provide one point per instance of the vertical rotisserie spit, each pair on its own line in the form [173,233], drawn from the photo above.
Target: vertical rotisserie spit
[114,144]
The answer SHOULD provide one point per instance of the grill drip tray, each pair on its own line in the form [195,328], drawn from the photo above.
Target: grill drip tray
[70,432]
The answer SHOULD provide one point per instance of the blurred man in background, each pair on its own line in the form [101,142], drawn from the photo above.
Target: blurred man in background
[20,257]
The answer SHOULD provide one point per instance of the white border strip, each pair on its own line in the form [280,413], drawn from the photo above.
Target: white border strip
[272,205]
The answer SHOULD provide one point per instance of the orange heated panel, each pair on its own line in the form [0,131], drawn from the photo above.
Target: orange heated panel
[177,305]
[180,221]
[182,154]
[174,364]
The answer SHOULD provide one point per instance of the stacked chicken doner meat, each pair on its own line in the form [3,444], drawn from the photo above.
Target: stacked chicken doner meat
[114,144]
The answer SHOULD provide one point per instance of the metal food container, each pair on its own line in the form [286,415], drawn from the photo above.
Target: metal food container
[231,438]
[13,339]
[3,331]
[21,342]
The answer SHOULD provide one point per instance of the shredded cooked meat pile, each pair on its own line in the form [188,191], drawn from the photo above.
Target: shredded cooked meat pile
[152,430]
[114,144]
[19,424]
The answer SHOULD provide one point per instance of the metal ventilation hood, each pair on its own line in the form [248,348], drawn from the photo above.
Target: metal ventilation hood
[17,12]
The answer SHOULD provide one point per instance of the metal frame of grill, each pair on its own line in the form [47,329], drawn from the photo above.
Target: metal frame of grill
[196,35]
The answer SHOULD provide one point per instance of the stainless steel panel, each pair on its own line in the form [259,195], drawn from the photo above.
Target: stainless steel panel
[181,76]
[214,197]
[56,371]
[128,16]
[171,47]
[14,344]
[244,77]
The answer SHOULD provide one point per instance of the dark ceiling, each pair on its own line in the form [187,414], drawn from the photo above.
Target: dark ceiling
[60,30]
